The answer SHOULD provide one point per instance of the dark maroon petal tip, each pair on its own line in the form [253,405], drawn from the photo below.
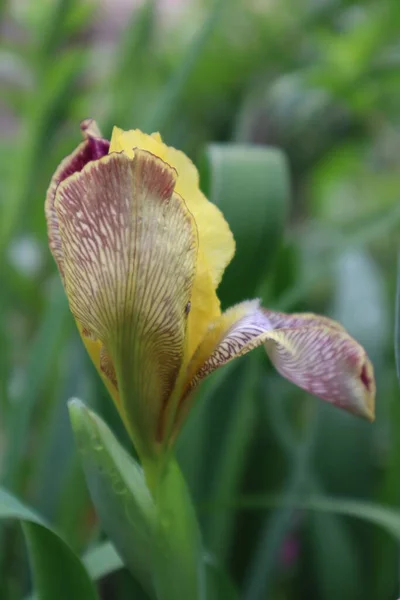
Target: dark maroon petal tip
[366,378]
[92,148]
[90,128]
[97,145]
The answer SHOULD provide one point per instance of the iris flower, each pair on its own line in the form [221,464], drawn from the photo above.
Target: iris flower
[141,252]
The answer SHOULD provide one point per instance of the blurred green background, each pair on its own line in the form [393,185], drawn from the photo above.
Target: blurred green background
[290,108]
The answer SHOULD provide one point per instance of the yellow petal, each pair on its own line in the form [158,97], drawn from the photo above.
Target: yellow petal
[129,249]
[97,351]
[216,244]
[127,141]
[204,307]
[313,352]
[215,334]
[215,238]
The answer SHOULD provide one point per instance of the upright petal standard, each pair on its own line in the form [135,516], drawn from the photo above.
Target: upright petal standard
[141,252]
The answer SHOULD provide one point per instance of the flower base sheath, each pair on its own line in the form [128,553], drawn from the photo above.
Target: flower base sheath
[141,252]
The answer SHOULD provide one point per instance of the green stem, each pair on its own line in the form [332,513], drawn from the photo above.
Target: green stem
[178,564]
[152,472]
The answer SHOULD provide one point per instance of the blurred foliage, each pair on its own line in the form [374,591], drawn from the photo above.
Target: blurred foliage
[319,79]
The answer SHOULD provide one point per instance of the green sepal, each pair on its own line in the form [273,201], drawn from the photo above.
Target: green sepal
[119,492]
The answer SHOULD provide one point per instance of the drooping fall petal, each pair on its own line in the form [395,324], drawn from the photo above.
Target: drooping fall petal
[216,243]
[129,249]
[313,352]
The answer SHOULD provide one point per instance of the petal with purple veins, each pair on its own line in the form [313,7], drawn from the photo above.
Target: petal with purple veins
[129,249]
[313,352]
[92,148]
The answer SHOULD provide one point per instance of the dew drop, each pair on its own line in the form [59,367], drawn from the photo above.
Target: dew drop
[119,487]
[97,445]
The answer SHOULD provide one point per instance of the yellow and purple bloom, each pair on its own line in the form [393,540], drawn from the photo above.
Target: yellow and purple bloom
[141,252]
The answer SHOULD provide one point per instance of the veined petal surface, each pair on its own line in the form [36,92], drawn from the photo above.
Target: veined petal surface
[313,352]
[215,237]
[101,360]
[93,148]
[216,243]
[129,249]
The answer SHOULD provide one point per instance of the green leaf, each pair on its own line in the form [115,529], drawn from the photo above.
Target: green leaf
[119,492]
[380,226]
[157,535]
[133,63]
[102,560]
[58,571]
[397,323]
[232,453]
[359,285]
[334,552]
[386,517]
[41,362]
[250,184]
[275,529]
[377,514]
[168,99]
[44,112]
[359,304]
[194,438]
[219,585]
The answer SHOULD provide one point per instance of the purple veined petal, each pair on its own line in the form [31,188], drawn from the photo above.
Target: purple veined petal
[313,352]
[129,248]
[92,148]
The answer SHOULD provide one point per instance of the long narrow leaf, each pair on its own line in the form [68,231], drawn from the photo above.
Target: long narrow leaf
[58,571]
[397,324]
[259,579]
[40,364]
[169,97]
[250,184]
[386,517]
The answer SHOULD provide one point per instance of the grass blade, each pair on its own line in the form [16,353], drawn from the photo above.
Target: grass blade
[41,360]
[168,103]
[397,324]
